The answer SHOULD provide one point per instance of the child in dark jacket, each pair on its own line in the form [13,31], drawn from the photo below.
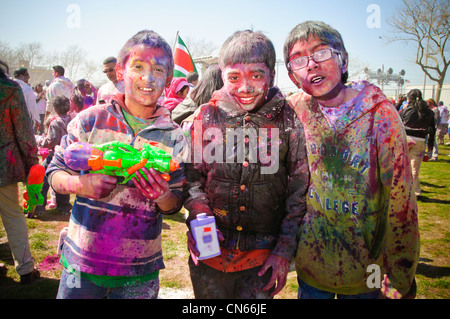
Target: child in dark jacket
[253,181]
[56,130]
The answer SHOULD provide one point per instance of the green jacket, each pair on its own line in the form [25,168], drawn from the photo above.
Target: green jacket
[361,207]
[18,150]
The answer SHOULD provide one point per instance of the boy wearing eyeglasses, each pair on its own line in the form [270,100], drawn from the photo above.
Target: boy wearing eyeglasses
[360,232]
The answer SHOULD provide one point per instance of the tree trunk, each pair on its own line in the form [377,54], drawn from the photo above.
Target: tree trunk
[437,95]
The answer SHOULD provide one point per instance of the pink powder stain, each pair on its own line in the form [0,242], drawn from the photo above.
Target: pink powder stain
[50,263]
[10,157]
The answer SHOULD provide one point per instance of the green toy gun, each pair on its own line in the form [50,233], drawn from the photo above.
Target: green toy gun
[32,195]
[118,159]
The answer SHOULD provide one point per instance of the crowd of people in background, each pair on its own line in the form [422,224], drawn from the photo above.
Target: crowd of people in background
[51,106]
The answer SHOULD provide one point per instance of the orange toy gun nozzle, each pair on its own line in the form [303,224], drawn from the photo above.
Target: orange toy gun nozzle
[137,166]
[174,165]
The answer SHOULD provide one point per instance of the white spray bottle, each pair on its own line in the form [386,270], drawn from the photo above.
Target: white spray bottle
[205,235]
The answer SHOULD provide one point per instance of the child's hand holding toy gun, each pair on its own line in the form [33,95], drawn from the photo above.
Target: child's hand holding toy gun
[123,161]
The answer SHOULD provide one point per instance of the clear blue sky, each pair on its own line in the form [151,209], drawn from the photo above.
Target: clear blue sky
[106,25]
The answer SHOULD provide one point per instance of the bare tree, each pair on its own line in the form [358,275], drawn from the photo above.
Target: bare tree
[426,23]
[72,59]
[356,68]
[199,47]
[75,62]
[31,52]
[8,54]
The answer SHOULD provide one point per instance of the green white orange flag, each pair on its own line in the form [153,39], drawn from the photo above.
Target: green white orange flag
[183,60]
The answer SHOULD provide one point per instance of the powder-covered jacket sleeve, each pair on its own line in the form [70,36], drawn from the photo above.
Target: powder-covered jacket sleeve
[18,150]
[196,172]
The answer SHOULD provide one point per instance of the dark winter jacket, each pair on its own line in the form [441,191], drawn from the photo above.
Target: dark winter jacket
[256,205]
[419,126]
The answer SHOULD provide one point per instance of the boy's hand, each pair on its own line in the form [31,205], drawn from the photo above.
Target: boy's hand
[93,186]
[191,245]
[155,188]
[96,186]
[388,291]
[280,269]
[192,249]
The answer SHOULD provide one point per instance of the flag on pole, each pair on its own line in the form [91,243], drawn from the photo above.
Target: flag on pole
[183,60]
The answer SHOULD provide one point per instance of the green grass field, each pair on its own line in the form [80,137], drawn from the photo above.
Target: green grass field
[433,271]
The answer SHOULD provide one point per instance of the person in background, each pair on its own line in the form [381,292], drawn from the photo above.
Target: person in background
[192,79]
[87,92]
[402,100]
[114,86]
[211,81]
[434,153]
[22,77]
[18,153]
[59,86]
[448,129]
[47,84]
[41,104]
[56,130]
[419,122]
[176,93]
[257,212]
[443,125]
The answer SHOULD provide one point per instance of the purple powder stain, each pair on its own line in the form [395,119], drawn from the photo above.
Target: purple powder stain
[76,156]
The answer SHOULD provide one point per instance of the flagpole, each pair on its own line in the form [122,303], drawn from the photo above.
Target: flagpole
[176,40]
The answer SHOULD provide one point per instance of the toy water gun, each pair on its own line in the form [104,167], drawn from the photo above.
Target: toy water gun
[32,195]
[118,159]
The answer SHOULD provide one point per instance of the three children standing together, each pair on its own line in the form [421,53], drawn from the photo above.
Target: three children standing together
[339,201]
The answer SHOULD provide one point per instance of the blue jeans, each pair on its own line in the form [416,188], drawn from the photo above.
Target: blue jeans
[71,287]
[305,291]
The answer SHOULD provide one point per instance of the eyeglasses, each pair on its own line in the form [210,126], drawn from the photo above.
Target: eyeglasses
[318,56]
[108,70]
